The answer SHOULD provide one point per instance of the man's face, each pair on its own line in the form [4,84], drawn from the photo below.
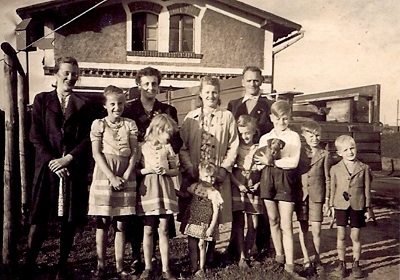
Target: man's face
[148,86]
[251,82]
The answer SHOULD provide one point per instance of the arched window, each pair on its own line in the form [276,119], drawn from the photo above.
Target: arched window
[181,33]
[144,31]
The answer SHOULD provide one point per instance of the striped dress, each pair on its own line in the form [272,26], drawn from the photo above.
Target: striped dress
[115,138]
[156,194]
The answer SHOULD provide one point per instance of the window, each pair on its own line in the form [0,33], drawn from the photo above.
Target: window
[144,32]
[181,33]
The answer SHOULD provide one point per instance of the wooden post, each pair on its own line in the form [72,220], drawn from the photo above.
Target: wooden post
[12,191]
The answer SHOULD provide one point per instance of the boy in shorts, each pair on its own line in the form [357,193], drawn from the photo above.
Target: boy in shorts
[314,168]
[350,197]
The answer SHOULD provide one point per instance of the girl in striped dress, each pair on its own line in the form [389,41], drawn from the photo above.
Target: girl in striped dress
[157,198]
[113,191]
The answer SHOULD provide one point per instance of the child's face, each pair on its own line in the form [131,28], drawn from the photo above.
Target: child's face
[206,177]
[163,137]
[115,104]
[209,95]
[312,138]
[281,122]
[246,134]
[347,151]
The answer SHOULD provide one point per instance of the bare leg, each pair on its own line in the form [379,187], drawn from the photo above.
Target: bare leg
[101,243]
[316,233]
[355,238]
[274,223]
[148,246]
[193,252]
[341,242]
[303,237]
[252,225]
[286,215]
[119,243]
[202,252]
[164,243]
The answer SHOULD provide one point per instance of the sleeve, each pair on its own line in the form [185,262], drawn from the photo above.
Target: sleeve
[97,130]
[327,167]
[133,130]
[184,155]
[368,180]
[215,196]
[37,133]
[332,187]
[173,160]
[290,161]
[233,143]
[176,140]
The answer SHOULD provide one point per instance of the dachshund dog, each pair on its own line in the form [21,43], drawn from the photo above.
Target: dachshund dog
[270,152]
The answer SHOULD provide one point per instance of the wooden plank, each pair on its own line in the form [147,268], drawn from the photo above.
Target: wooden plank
[367,136]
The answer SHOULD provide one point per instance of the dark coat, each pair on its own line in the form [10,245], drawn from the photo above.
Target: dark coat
[136,112]
[52,134]
[260,112]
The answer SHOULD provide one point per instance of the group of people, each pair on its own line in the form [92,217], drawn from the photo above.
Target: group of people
[216,168]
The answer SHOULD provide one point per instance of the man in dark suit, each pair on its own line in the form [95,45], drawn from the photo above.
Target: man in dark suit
[142,111]
[60,134]
[257,106]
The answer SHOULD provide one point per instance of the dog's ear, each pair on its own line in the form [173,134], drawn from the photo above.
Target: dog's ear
[282,143]
[269,142]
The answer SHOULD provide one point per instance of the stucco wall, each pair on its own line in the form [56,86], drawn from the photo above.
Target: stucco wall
[229,42]
[99,36]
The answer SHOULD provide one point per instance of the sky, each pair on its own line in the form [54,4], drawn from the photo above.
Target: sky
[346,44]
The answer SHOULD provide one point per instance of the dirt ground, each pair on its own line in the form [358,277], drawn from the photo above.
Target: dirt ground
[380,249]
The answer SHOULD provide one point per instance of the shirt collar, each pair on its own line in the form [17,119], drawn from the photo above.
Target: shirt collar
[250,97]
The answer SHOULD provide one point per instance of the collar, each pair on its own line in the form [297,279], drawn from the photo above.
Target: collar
[250,97]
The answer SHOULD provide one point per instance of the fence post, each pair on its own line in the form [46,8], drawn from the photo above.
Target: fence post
[12,183]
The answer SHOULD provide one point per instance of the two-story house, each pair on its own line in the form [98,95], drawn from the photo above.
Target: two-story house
[185,39]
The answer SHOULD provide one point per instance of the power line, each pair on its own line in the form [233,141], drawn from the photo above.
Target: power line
[62,26]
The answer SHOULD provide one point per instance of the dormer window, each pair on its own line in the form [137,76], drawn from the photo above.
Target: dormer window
[144,31]
[181,33]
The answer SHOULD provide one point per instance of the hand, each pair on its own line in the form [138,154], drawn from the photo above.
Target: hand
[59,163]
[242,189]
[117,183]
[209,232]
[261,158]
[221,175]
[62,173]
[326,210]
[255,187]
[160,171]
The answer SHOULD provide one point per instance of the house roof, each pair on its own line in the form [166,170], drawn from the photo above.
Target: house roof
[279,26]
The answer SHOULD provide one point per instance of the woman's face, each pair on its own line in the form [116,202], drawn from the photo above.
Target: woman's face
[67,76]
[209,95]
[149,86]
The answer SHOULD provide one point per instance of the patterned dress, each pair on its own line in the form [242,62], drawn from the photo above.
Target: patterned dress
[199,214]
[104,200]
[246,172]
[156,193]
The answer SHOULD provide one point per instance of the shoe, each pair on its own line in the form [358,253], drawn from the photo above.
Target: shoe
[200,274]
[319,268]
[167,275]
[277,267]
[124,275]
[296,276]
[100,274]
[341,269]
[146,274]
[136,266]
[255,262]
[356,270]
[243,263]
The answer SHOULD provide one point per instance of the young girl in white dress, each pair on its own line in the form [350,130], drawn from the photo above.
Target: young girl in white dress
[113,191]
[157,199]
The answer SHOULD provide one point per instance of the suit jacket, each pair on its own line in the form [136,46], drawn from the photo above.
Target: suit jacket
[357,185]
[52,135]
[136,112]
[260,112]
[315,177]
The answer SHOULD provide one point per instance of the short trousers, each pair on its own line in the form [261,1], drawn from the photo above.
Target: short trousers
[307,210]
[279,184]
[357,218]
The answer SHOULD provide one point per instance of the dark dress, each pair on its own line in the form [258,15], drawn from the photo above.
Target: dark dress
[52,134]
